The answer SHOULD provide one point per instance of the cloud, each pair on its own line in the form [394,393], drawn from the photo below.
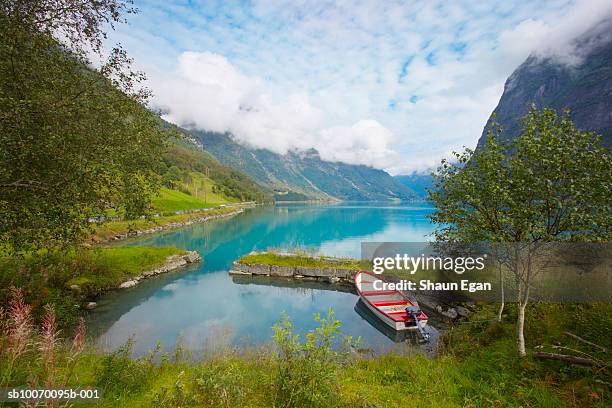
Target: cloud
[207,92]
[390,84]
[556,38]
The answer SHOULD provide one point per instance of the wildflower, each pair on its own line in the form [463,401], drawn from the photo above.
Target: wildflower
[19,323]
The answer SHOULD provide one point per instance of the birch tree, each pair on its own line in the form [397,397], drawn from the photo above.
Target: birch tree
[551,183]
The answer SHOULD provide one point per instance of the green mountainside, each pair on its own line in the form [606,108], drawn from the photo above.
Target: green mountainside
[191,170]
[304,172]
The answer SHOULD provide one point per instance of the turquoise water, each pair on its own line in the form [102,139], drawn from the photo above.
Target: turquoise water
[204,308]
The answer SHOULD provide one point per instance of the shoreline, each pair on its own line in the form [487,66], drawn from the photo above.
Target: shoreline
[165,227]
[173,262]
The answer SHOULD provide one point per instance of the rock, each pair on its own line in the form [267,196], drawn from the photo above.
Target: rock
[75,288]
[259,269]
[281,270]
[238,267]
[91,305]
[192,257]
[344,273]
[450,313]
[238,272]
[462,311]
[304,271]
[173,262]
[333,279]
[128,284]
[151,273]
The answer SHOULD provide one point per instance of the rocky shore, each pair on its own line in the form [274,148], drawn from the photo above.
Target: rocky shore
[172,225]
[172,263]
[331,275]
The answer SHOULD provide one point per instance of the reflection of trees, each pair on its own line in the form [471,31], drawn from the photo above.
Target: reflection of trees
[116,303]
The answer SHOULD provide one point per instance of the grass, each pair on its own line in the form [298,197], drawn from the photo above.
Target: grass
[202,187]
[172,201]
[477,366]
[47,276]
[273,258]
[109,229]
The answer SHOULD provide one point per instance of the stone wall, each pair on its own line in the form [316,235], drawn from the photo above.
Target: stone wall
[298,272]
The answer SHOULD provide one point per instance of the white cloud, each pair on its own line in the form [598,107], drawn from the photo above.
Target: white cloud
[206,91]
[390,84]
[556,37]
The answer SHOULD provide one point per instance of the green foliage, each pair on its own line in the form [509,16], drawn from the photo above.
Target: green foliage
[182,158]
[290,196]
[46,276]
[307,370]
[120,375]
[35,355]
[552,182]
[74,140]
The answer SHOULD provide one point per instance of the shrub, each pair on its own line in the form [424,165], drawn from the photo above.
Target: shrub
[307,370]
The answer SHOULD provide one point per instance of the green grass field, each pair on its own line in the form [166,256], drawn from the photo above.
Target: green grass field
[172,200]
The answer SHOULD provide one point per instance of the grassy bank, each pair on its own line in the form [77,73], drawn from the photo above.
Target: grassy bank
[47,277]
[173,200]
[310,261]
[477,366]
[107,230]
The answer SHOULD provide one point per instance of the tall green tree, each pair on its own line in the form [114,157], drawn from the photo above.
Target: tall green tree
[551,183]
[75,137]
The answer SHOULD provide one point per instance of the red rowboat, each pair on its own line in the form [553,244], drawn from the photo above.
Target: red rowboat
[390,306]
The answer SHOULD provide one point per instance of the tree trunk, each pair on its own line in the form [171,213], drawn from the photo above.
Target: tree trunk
[563,357]
[503,296]
[521,329]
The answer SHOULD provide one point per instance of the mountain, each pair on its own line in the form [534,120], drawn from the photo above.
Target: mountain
[416,182]
[586,88]
[304,172]
[187,167]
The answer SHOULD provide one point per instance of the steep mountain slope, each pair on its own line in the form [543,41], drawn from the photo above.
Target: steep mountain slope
[189,168]
[305,172]
[586,89]
[416,182]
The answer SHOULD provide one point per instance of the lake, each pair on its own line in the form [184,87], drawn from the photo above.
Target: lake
[205,309]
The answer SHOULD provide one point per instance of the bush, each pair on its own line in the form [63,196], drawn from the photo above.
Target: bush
[307,370]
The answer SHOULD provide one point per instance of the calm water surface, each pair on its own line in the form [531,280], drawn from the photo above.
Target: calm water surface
[205,308]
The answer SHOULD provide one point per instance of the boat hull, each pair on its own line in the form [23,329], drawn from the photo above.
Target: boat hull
[391,323]
[389,306]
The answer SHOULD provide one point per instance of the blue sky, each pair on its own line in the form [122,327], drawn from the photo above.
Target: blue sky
[394,85]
